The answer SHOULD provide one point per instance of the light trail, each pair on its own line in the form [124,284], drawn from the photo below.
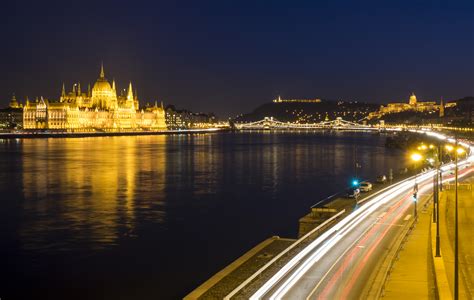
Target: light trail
[355,250]
[343,227]
[292,272]
[349,223]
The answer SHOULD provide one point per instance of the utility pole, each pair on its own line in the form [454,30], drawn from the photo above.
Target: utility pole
[438,177]
[435,194]
[456,249]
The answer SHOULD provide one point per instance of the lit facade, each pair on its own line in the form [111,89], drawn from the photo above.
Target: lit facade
[11,117]
[184,119]
[413,105]
[279,100]
[97,109]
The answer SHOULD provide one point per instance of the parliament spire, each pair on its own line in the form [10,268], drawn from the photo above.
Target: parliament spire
[102,74]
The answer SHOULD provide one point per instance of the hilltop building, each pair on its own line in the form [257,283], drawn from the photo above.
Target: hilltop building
[279,100]
[412,101]
[412,105]
[100,108]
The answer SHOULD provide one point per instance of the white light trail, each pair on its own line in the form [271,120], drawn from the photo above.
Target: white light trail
[367,209]
[331,237]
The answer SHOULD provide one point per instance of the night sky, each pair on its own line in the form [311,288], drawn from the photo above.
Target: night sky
[231,56]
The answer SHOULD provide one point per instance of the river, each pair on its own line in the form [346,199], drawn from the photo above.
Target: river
[152,217]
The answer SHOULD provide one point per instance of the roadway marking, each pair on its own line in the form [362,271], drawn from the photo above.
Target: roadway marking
[408,217]
[346,225]
[389,224]
[363,237]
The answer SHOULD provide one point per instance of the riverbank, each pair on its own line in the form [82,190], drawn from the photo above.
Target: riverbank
[43,134]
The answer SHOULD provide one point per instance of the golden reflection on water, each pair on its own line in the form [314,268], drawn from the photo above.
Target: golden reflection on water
[82,192]
[89,193]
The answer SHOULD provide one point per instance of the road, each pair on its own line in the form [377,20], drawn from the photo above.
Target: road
[339,264]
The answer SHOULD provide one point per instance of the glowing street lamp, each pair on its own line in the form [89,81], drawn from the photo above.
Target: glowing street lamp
[422,147]
[416,157]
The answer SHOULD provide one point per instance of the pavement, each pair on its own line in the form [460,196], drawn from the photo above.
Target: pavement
[412,273]
[466,236]
[411,276]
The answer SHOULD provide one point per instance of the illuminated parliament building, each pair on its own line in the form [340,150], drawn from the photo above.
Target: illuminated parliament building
[97,109]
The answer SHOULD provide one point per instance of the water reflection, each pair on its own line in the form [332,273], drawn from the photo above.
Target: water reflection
[89,193]
[83,192]
[78,206]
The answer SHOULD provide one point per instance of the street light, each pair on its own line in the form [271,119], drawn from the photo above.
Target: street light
[435,162]
[416,157]
[422,147]
[458,151]
[456,228]
[438,180]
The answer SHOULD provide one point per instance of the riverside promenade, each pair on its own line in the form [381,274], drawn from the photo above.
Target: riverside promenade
[412,274]
[466,235]
[417,274]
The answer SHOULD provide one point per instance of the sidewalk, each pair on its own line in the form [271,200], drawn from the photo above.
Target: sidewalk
[411,276]
[466,237]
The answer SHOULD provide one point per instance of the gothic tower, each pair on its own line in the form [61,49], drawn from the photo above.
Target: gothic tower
[441,108]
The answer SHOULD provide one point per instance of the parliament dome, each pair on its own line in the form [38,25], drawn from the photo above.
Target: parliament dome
[103,95]
[102,85]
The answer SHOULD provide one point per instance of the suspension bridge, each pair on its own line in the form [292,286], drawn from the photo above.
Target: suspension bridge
[271,123]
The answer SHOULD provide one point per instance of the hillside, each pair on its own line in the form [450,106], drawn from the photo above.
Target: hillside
[310,112]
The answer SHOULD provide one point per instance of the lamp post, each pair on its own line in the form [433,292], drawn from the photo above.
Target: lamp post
[456,250]
[439,180]
[415,157]
[435,163]
[457,151]
[456,226]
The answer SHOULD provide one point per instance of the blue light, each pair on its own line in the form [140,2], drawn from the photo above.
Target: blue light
[355,182]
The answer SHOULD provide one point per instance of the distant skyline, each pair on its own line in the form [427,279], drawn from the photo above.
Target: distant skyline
[228,57]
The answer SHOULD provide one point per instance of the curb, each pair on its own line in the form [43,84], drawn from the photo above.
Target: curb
[441,279]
